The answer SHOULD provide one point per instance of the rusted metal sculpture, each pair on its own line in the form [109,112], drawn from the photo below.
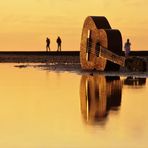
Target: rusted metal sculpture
[101,46]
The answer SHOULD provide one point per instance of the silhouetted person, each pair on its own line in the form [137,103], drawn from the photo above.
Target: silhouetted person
[47,44]
[127,47]
[59,41]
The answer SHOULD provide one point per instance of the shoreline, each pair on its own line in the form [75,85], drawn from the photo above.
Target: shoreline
[50,57]
[53,60]
[76,68]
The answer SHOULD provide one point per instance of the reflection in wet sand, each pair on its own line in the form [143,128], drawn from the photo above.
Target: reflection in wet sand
[98,95]
[135,81]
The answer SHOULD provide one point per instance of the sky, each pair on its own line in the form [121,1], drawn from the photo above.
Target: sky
[25,24]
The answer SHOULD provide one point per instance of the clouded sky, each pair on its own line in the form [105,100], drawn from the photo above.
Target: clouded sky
[25,24]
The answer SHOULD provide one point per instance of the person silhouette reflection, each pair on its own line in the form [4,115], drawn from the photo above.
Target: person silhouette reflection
[99,94]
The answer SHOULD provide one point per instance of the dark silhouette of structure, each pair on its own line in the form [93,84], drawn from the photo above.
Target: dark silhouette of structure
[127,47]
[59,41]
[47,44]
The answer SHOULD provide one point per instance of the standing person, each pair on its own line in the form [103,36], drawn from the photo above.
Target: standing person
[47,44]
[59,41]
[127,47]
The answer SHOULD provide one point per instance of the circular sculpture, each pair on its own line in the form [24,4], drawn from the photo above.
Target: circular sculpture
[97,34]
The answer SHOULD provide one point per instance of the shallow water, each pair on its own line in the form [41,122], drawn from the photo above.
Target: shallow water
[42,109]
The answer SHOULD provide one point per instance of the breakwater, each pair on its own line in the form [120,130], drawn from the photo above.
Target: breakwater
[39,57]
[68,60]
[50,57]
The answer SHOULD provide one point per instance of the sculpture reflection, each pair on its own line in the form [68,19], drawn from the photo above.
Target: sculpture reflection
[99,94]
[135,81]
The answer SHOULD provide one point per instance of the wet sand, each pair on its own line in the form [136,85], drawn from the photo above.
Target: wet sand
[76,68]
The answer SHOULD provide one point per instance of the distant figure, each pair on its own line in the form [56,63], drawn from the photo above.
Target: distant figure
[47,44]
[59,41]
[127,47]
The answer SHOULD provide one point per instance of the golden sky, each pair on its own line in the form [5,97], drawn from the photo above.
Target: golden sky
[25,24]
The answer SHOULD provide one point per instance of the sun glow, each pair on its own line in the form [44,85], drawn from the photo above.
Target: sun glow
[24,25]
